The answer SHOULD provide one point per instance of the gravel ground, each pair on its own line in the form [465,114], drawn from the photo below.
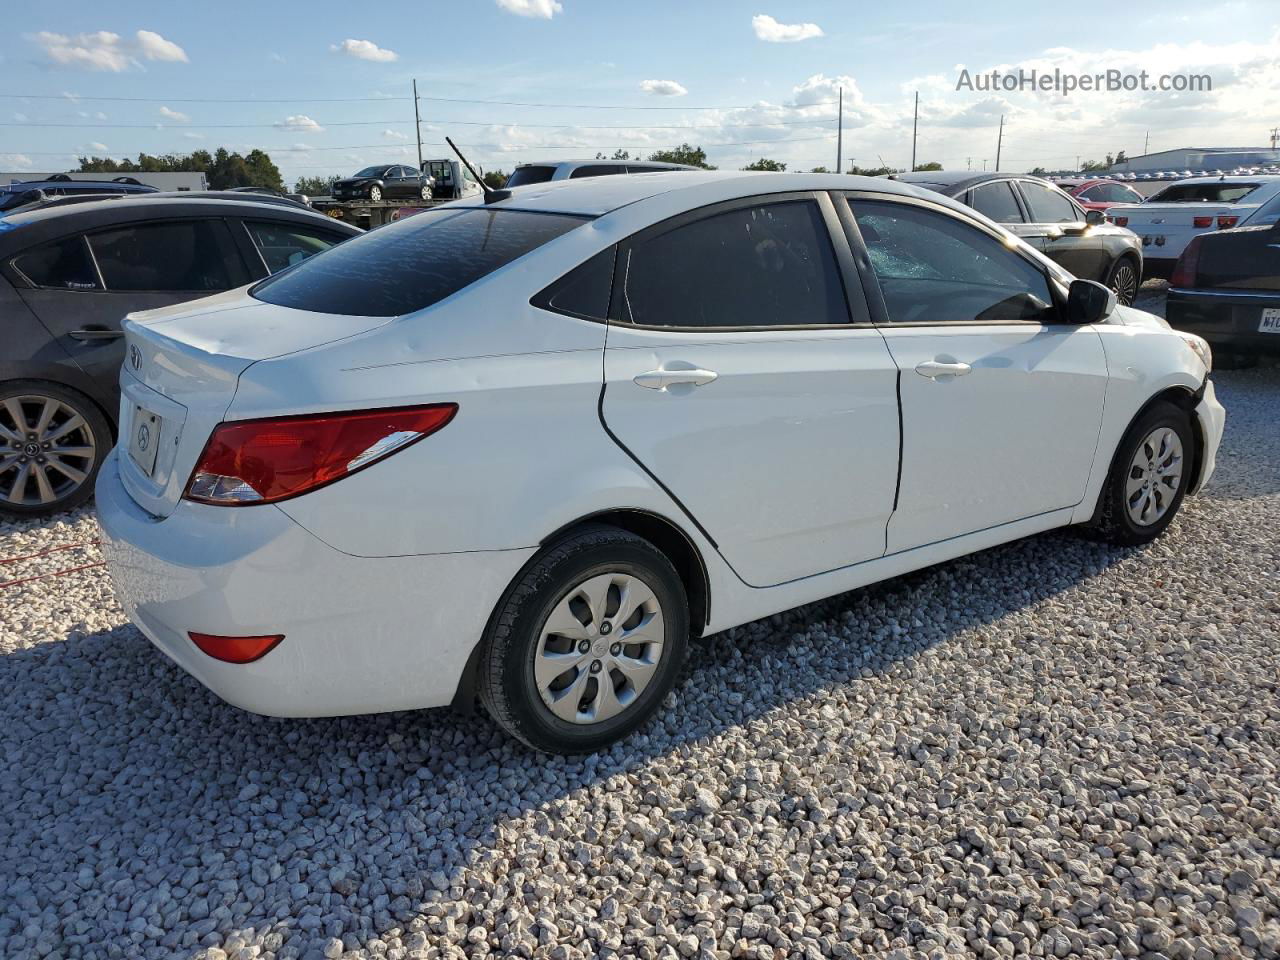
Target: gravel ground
[1050,749]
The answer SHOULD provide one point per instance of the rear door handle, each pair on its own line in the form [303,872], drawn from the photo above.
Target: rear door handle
[95,333]
[938,370]
[661,379]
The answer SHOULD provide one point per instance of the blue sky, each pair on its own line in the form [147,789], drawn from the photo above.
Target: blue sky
[742,79]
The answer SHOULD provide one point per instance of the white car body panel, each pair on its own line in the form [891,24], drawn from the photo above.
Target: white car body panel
[383,581]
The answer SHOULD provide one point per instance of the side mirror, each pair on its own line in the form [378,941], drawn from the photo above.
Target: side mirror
[1088,302]
[1095,217]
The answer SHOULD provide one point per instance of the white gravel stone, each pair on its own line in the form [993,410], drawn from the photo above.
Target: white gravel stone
[1051,749]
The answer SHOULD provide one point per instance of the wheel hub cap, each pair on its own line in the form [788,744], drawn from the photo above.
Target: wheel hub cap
[1155,473]
[46,450]
[599,648]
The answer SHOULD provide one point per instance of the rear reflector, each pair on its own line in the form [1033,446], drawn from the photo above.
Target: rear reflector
[1226,223]
[1201,222]
[236,649]
[263,461]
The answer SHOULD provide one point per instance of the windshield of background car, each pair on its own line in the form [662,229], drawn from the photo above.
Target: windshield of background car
[1204,193]
[414,263]
[523,176]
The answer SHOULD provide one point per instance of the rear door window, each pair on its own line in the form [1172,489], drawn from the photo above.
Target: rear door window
[284,244]
[596,170]
[411,264]
[767,265]
[996,200]
[61,265]
[192,255]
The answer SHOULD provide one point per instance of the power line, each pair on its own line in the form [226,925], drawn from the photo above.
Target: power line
[285,128]
[501,103]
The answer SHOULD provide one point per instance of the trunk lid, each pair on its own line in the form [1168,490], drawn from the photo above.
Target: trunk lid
[182,365]
[1167,228]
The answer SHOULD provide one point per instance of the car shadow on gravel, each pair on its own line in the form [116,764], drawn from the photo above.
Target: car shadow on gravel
[142,795]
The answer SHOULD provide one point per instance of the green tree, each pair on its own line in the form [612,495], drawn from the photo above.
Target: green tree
[495,179]
[819,170]
[771,166]
[872,171]
[686,154]
[316,186]
[617,155]
[222,169]
[931,165]
[1089,165]
[1039,172]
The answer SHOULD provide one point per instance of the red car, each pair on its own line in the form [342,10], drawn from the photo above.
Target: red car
[1099,194]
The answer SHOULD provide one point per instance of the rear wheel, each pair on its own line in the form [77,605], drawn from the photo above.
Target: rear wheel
[52,441]
[586,644]
[1149,477]
[375,194]
[425,193]
[1124,281]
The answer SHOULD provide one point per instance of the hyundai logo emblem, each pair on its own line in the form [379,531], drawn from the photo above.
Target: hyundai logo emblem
[144,437]
[135,357]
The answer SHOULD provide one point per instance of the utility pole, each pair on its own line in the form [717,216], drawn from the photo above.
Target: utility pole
[915,125]
[968,163]
[1146,143]
[851,159]
[1275,137]
[999,143]
[417,122]
[840,132]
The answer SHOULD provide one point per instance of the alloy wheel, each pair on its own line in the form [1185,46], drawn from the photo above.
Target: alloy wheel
[1124,283]
[47,450]
[375,194]
[599,648]
[1154,476]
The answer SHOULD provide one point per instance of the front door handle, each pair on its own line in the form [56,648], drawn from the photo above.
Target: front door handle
[661,379]
[95,333]
[938,370]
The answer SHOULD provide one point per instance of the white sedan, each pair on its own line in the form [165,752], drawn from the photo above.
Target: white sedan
[525,450]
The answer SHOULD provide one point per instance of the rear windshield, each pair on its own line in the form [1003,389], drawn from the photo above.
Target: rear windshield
[523,176]
[412,264]
[1204,193]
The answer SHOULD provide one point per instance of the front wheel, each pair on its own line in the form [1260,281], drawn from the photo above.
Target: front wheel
[1148,479]
[425,193]
[586,644]
[375,194]
[1124,281]
[52,441]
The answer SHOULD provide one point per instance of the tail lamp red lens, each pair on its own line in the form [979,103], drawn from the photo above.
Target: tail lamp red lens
[1120,221]
[264,461]
[1188,265]
[1201,222]
[1226,223]
[236,649]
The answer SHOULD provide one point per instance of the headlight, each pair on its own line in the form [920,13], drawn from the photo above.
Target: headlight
[1201,347]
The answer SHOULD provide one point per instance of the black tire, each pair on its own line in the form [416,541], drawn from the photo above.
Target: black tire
[29,450]
[1124,279]
[506,681]
[1115,525]
[375,194]
[425,193]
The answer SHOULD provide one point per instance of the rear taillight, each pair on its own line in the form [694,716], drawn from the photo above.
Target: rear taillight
[1226,223]
[264,461]
[1201,222]
[1120,221]
[1184,271]
[235,649]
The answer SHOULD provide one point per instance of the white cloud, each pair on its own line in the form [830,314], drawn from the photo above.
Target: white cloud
[771,31]
[395,135]
[90,51]
[19,161]
[95,145]
[155,47]
[73,97]
[99,115]
[173,114]
[20,117]
[541,9]
[364,50]
[104,50]
[192,136]
[276,57]
[301,123]
[663,88]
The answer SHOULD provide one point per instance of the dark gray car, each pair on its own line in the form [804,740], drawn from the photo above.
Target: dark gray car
[1049,220]
[68,276]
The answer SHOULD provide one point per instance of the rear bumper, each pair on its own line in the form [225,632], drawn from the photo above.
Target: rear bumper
[1159,267]
[362,635]
[1212,418]
[1229,320]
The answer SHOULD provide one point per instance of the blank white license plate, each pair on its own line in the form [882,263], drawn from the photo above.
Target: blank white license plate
[1270,322]
[144,438]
